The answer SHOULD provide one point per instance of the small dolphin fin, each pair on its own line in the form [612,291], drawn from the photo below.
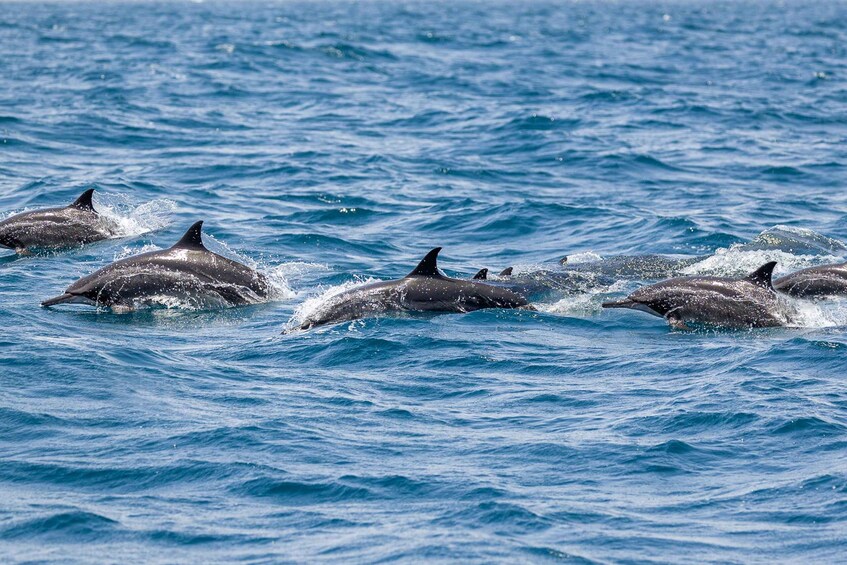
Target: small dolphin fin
[193,238]
[66,297]
[564,260]
[428,267]
[481,275]
[507,272]
[84,201]
[763,275]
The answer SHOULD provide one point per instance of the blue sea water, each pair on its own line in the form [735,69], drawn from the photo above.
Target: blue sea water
[329,143]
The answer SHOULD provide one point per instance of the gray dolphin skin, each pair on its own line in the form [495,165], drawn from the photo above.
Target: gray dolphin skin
[425,289]
[56,228]
[815,282]
[749,302]
[186,272]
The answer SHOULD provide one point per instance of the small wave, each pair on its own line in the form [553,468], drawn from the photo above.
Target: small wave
[76,524]
[301,492]
[811,426]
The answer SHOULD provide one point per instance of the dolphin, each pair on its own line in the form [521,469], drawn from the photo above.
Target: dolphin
[543,282]
[797,241]
[815,282]
[634,267]
[481,275]
[56,228]
[747,302]
[425,289]
[185,272]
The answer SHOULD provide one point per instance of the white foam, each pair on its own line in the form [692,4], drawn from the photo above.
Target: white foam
[323,299]
[582,304]
[128,251]
[584,257]
[130,219]
[733,262]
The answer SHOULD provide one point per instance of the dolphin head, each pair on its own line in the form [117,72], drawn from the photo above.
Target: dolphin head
[68,298]
[650,305]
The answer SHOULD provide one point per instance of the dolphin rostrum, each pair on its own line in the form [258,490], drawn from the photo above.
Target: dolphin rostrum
[815,282]
[747,302]
[425,289]
[185,272]
[56,228]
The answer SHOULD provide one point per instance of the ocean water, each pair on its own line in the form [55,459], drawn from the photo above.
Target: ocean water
[328,143]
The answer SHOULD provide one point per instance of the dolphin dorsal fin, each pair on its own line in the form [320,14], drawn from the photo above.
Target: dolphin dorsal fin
[481,275]
[507,272]
[428,267]
[84,201]
[193,238]
[563,261]
[762,276]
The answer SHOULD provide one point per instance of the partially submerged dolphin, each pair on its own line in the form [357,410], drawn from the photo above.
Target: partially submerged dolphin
[425,289]
[543,282]
[815,282]
[56,228]
[186,272]
[638,267]
[797,241]
[747,302]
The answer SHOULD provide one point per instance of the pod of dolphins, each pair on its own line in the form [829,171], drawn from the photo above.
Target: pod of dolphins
[188,271]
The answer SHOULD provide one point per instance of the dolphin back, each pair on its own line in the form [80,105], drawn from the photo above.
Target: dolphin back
[56,228]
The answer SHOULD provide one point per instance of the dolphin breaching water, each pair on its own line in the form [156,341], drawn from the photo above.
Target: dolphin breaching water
[815,282]
[56,228]
[748,302]
[425,289]
[187,273]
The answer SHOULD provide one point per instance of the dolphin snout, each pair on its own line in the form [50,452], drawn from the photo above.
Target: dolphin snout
[58,299]
[625,303]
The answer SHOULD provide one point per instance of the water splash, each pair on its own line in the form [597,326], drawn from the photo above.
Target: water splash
[736,261]
[586,304]
[130,219]
[584,257]
[323,299]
